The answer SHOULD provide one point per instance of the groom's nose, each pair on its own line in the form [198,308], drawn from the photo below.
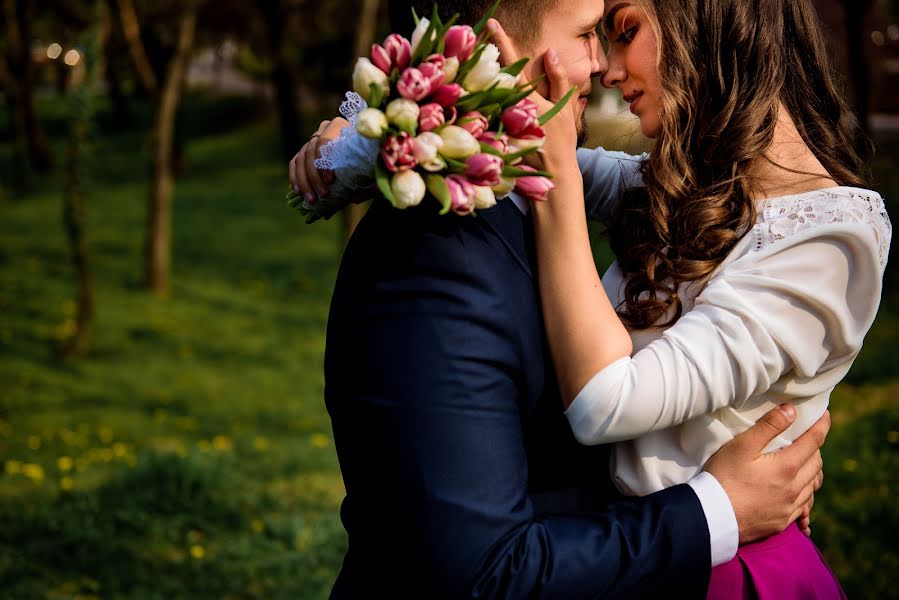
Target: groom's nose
[598,62]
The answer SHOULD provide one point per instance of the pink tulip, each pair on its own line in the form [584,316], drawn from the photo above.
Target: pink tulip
[414,85]
[460,42]
[431,117]
[462,195]
[500,142]
[484,169]
[535,188]
[447,95]
[438,60]
[398,152]
[520,118]
[433,74]
[394,54]
[474,123]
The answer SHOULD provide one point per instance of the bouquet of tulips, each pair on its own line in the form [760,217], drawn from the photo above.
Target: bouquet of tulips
[444,120]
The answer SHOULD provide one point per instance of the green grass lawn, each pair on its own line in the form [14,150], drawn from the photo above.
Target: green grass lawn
[190,456]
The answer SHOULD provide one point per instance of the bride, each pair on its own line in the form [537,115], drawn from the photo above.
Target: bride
[749,262]
[750,251]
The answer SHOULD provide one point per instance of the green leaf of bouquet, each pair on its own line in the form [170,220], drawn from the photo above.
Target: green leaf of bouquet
[516,172]
[377,95]
[479,27]
[488,149]
[456,164]
[436,184]
[382,179]
[521,94]
[555,109]
[415,17]
[513,156]
[516,69]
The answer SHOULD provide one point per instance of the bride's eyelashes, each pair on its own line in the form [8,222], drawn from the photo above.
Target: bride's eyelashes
[627,36]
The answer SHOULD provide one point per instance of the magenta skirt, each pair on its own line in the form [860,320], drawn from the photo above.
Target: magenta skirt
[787,566]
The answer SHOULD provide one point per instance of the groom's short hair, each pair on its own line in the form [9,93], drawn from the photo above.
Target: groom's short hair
[522,19]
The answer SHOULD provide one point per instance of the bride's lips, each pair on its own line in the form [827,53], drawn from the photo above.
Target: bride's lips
[633,100]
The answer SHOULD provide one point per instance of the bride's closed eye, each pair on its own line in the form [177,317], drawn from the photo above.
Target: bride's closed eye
[627,36]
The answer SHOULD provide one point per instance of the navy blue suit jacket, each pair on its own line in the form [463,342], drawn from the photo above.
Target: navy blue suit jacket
[463,479]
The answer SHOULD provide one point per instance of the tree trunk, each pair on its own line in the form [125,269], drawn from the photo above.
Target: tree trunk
[365,35]
[130,25]
[283,79]
[855,11]
[19,15]
[158,243]
[74,201]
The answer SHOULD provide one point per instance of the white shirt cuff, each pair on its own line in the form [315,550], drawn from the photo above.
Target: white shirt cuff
[724,533]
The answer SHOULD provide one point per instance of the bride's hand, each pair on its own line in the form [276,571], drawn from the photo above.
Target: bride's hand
[560,148]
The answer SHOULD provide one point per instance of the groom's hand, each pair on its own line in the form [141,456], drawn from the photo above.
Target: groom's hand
[770,491]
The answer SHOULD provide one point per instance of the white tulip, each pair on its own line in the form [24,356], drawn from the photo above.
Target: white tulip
[458,143]
[404,114]
[366,73]
[450,69]
[408,188]
[371,123]
[504,187]
[425,148]
[484,197]
[505,81]
[518,144]
[485,72]
[419,33]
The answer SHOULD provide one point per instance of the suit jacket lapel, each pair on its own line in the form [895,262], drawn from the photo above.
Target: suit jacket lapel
[512,229]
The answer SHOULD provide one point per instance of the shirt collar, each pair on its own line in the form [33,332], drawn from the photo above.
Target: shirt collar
[521,203]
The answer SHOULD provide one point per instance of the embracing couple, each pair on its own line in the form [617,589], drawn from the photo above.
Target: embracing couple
[509,425]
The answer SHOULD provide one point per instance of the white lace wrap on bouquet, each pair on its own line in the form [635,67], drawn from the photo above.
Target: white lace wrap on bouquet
[351,157]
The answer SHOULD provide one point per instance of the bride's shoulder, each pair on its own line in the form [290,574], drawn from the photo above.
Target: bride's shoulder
[847,211]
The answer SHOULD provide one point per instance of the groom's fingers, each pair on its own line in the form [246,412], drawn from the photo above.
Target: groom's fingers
[507,53]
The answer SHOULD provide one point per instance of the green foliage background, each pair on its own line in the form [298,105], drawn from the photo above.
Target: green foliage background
[190,456]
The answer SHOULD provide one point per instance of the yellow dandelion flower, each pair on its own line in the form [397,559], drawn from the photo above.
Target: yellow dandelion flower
[34,442]
[119,449]
[13,467]
[66,484]
[105,434]
[261,443]
[222,443]
[65,463]
[33,472]
[893,437]
[257,525]
[850,465]
[197,551]
[320,440]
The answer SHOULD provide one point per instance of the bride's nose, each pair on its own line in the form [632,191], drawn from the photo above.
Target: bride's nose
[615,72]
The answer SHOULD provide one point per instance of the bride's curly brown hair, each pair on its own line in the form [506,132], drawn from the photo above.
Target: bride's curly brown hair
[725,67]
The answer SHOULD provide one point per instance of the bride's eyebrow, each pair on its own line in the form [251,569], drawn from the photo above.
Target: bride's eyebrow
[609,20]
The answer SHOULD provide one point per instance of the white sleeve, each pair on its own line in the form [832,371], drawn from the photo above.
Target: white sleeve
[803,303]
[724,531]
[607,175]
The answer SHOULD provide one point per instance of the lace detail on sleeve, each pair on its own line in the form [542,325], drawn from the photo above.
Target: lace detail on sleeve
[352,106]
[351,156]
[784,217]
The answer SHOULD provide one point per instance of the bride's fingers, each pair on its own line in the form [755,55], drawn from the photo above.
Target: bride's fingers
[508,55]
[556,76]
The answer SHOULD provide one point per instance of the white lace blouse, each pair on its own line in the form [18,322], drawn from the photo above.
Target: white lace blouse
[781,320]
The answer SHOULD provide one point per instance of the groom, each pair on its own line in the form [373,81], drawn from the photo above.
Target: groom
[463,479]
